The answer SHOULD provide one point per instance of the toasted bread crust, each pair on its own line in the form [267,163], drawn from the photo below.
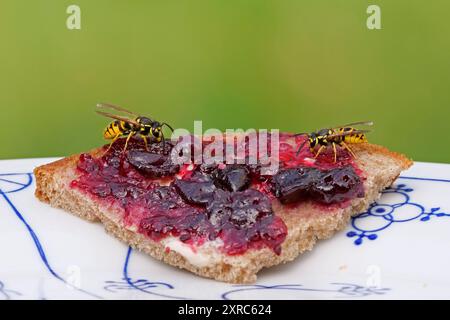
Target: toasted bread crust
[306,222]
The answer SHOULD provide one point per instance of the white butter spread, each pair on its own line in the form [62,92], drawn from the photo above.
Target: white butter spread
[203,255]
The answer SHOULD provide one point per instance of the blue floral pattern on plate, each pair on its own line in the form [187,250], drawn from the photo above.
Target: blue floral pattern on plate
[6,293]
[396,206]
[388,211]
[341,290]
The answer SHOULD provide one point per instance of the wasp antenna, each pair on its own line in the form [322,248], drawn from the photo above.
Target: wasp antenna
[170,127]
[301,147]
[300,134]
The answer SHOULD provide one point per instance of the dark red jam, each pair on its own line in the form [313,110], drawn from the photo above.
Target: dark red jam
[197,203]
[337,185]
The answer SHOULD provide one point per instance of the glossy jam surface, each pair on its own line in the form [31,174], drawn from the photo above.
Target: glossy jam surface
[292,185]
[207,204]
[197,203]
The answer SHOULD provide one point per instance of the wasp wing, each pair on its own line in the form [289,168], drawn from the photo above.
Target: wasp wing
[116,117]
[346,133]
[114,107]
[359,123]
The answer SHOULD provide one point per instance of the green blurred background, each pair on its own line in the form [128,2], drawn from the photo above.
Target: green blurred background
[288,64]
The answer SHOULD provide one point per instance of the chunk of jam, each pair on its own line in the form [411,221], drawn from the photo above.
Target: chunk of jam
[235,177]
[195,191]
[166,213]
[242,220]
[326,186]
[245,219]
[207,202]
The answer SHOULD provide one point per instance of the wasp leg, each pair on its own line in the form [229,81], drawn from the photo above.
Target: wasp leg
[319,151]
[112,142]
[348,148]
[132,133]
[335,153]
[145,142]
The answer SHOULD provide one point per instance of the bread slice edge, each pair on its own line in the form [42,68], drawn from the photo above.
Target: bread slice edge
[306,224]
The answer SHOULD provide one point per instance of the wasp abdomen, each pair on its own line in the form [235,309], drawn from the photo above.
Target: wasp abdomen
[355,138]
[116,128]
[352,135]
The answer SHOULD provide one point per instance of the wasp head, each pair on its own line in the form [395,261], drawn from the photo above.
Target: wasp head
[156,129]
[312,138]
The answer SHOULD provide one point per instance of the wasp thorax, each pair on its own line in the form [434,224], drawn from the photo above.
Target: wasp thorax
[144,121]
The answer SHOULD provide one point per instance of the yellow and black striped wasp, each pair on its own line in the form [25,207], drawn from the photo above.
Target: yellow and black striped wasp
[341,136]
[123,126]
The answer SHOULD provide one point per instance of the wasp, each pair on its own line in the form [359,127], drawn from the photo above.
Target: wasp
[341,136]
[136,124]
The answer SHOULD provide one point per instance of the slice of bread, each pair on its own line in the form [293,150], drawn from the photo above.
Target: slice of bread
[306,222]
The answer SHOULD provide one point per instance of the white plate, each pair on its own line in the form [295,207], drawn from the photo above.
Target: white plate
[399,249]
